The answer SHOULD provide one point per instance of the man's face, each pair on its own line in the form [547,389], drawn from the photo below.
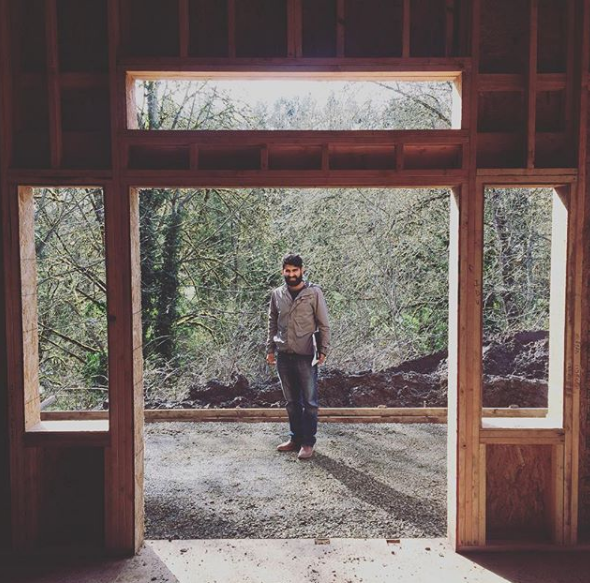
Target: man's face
[293,275]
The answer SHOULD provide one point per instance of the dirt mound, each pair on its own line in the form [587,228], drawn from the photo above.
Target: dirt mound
[515,373]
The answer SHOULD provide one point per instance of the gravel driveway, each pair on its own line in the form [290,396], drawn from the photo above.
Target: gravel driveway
[226,480]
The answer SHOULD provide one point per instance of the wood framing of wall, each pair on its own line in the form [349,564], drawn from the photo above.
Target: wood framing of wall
[522,67]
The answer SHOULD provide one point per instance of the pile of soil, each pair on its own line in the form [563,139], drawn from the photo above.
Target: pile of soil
[515,374]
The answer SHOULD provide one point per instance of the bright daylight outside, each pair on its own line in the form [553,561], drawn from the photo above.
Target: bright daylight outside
[210,258]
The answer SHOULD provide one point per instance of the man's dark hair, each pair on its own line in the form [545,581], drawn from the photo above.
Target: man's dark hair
[293,259]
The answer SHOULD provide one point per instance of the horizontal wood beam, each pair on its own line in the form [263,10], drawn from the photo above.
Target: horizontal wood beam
[409,413]
[360,138]
[381,67]
[286,178]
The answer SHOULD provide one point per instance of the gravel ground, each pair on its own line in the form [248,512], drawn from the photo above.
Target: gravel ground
[226,480]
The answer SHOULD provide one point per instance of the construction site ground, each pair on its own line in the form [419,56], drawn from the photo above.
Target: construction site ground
[226,480]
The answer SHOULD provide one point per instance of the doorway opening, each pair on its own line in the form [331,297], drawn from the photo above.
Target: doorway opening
[211,258]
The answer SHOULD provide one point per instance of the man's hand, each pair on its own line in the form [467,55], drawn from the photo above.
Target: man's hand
[271,359]
[321,359]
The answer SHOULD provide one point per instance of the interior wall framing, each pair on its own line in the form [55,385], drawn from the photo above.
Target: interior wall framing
[523,68]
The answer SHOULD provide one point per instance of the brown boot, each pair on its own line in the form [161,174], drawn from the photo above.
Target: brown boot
[288,446]
[305,452]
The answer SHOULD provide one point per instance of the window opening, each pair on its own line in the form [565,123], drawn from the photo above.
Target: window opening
[64,299]
[525,240]
[210,258]
[294,104]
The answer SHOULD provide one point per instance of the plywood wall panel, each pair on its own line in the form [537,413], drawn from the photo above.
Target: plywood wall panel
[71,496]
[518,487]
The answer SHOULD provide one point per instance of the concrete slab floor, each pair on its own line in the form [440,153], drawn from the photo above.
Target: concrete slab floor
[310,561]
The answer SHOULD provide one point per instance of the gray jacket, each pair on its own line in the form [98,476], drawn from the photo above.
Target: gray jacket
[293,324]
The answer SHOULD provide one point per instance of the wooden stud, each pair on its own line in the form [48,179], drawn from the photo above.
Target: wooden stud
[123,458]
[482,497]
[6,105]
[573,383]
[131,104]
[53,88]
[294,30]
[557,499]
[450,27]
[399,157]
[570,86]
[340,28]
[183,28]
[325,158]
[264,158]
[28,284]
[15,366]
[581,403]
[406,28]
[231,28]
[532,83]
[124,454]
[194,157]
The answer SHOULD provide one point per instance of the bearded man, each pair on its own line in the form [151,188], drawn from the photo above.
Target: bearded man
[298,341]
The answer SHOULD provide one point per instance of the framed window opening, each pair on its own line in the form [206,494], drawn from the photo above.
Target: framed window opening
[558,315]
[267,85]
[67,202]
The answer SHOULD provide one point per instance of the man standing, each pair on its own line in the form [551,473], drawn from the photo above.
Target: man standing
[298,331]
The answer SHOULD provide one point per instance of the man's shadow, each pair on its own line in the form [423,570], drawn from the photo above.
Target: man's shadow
[411,509]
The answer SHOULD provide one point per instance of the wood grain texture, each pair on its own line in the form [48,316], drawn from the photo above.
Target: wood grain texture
[583,341]
[519,488]
[524,75]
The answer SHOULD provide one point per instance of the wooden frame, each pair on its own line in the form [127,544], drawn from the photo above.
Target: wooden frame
[29,311]
[524,120]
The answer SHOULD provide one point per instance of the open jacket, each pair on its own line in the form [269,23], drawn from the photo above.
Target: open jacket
[292,324]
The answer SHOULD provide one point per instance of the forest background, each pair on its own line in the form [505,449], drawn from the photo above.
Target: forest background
[210,257]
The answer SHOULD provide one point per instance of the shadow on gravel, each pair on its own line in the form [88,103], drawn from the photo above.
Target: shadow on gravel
[171,519]
[415,511]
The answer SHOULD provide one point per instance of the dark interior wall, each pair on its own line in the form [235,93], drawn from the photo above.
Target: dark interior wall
[584,503]
[71,502]
[5,521]
[4,451]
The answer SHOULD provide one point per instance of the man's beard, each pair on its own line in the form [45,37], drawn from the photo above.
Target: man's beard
[293,281]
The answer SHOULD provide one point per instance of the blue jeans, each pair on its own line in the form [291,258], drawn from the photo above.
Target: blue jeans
[299,380]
